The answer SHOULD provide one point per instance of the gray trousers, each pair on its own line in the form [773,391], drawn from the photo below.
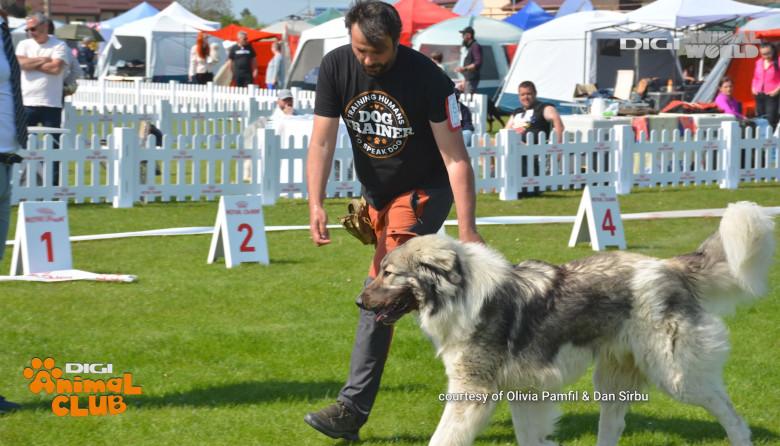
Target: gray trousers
[372,339]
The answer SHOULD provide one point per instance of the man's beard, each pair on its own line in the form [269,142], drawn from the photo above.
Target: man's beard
[376,70]
[465,42]
[13,9]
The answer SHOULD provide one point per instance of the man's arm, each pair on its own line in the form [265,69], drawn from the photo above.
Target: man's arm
[456,159]
[31,63]
[54,66]
[318,162]
[551,114]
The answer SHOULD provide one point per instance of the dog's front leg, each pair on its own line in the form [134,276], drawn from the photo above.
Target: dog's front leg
[462,421]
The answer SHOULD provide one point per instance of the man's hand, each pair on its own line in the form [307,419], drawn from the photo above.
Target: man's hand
[318,226]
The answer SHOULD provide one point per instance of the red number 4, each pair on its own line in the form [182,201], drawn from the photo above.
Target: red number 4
[245,245]
[607,224]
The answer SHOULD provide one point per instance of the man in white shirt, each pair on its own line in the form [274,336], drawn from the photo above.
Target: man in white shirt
[44,61]
[10,125]
[284,105]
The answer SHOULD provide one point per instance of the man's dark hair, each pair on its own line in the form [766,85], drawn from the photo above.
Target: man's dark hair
[376,19]
[527,84]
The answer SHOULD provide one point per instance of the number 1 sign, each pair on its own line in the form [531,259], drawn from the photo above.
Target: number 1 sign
[239,234]
[42,241]
[598,219]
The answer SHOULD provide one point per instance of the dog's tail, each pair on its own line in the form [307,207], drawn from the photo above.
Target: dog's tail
[738,257]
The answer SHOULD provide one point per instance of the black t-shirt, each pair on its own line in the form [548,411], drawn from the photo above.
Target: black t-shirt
[242,59]
[387,118]
[531,121]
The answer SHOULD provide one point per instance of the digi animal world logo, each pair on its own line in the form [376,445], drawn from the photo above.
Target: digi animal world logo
[79,397]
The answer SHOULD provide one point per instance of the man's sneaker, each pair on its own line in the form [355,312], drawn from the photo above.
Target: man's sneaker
[7,406]
[335,421]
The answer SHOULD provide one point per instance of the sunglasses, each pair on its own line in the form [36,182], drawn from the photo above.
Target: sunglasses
[33,29]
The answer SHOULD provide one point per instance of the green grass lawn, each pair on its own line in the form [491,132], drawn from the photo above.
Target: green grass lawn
[238,356]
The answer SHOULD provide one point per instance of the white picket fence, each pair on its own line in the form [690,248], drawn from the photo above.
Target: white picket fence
[203,166]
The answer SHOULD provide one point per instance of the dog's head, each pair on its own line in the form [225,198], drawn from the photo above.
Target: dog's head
[413,277]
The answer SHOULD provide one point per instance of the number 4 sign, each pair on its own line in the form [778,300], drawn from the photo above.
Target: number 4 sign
[239,234]
[603,226]
[42,241]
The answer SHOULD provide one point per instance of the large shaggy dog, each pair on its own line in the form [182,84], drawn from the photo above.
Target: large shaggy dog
[513,332]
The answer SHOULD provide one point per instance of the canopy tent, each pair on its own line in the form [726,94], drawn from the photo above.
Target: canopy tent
[676,14]
[176,11]
[315,43]
[290,30]
[466,8]
[572,6]
[493,35]
[157,48]
[141,11]
[530,16]
[740,70]
[417,15]
[328,15]
[261,42]
[230,33]
[570,50]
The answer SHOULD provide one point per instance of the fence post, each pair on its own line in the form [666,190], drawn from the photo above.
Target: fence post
[509,144]
[126,146]
[624,162]
[174,94]
[139,91]
[269,145]
[731,154]
[165,117]
[103,91]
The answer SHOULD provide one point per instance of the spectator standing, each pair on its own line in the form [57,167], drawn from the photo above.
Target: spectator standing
[13,127]
[44,60]
[410,173]
[766,83]
[202,62]
[274,73]
[86,57]
[242,60]
[472,63]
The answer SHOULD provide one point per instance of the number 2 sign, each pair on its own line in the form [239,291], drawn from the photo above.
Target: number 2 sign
[42,241]
[239,234]
[598,219]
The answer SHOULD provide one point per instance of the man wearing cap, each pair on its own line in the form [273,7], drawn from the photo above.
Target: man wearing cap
[472,63]
[284,102]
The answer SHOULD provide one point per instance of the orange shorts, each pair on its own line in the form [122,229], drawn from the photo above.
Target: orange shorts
[418,212]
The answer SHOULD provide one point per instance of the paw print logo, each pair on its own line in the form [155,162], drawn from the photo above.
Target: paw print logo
[44,378]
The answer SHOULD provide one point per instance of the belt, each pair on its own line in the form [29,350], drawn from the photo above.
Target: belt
[10,158]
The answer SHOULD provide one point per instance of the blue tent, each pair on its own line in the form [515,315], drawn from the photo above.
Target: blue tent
[530,16]
[142,11]
[570,6]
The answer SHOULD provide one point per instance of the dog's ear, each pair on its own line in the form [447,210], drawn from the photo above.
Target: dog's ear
[443,262]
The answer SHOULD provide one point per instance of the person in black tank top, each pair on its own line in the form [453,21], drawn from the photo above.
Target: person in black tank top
[534,117]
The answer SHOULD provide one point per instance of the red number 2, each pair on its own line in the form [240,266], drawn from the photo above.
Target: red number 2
[607,224]
[245,245]
[46,237]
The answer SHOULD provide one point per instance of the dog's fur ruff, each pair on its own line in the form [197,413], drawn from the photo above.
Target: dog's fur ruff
[536,327]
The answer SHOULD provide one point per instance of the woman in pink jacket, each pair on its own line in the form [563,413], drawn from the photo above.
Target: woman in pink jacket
[766,83]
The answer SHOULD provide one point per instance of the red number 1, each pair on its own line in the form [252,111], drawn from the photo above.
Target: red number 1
[607,224]
[245,245]
[46,237]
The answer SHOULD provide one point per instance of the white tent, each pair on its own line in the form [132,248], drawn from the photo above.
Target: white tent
[314,44]
[182,14]
[493,35]
[569,50]
[675,14]
[156,48]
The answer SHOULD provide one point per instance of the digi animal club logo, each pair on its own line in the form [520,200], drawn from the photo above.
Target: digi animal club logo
[77,396]
[379,124]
